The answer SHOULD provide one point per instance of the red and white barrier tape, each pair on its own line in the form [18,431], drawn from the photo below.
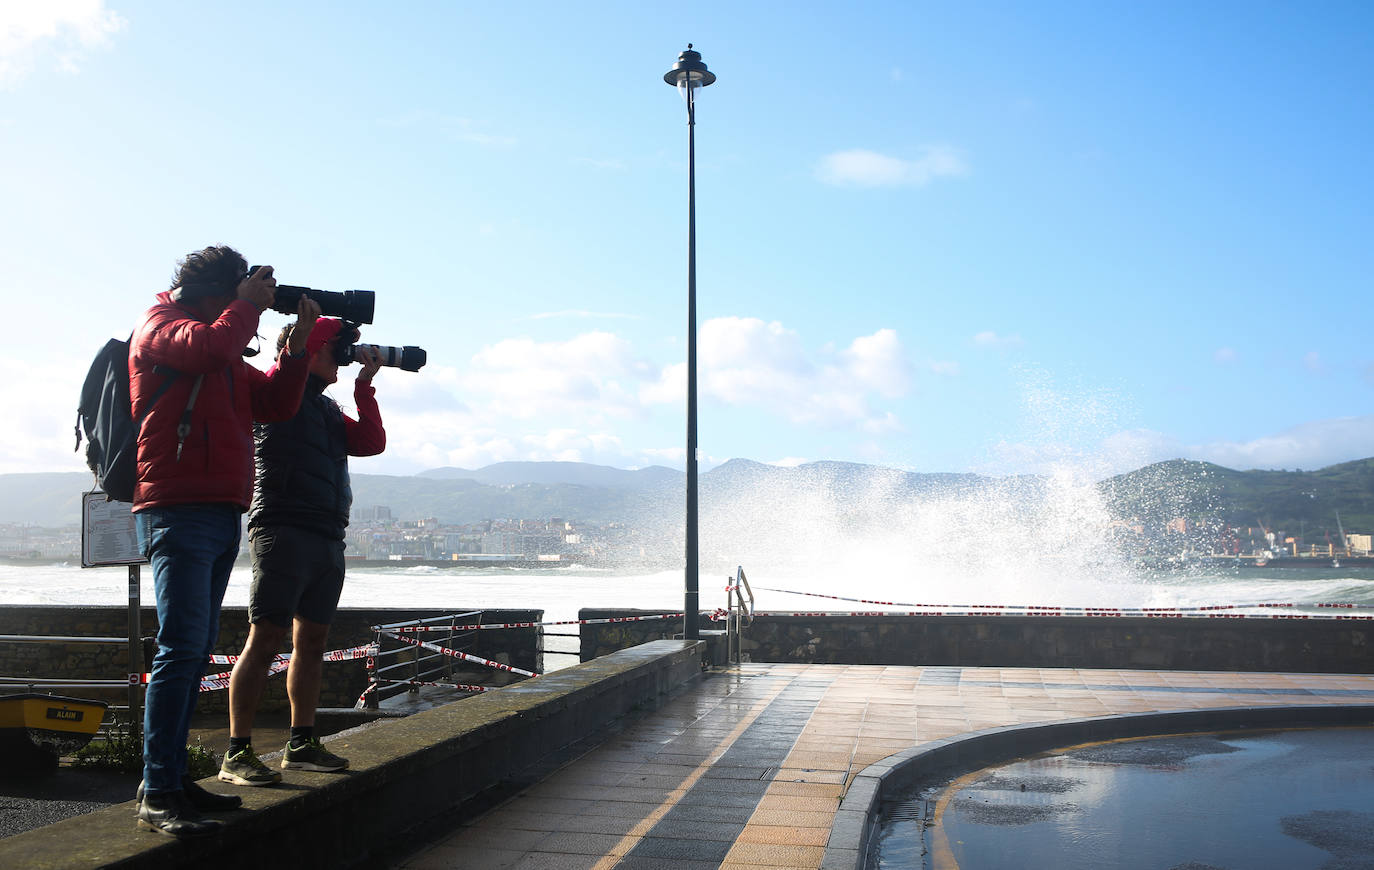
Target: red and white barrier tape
[432,647]
[1044,612]
[416,629]
[334,655]
[280,662]
[1068,610]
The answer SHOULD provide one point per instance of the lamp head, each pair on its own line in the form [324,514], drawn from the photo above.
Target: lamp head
[689,71]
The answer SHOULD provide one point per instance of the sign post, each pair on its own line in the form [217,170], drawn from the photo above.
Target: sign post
[108,538]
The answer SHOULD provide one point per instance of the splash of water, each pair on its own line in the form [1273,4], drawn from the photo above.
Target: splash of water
[894,536]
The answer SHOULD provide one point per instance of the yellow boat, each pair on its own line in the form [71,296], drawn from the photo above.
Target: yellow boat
[51,724]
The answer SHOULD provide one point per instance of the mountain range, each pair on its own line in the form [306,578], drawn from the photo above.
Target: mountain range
[653,497]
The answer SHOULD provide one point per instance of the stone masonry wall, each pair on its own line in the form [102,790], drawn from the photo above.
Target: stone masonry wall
[1244,644]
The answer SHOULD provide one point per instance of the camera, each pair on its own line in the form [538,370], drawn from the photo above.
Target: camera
[353,305]
[408,358]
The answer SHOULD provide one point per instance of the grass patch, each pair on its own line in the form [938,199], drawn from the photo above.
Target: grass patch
[121,751]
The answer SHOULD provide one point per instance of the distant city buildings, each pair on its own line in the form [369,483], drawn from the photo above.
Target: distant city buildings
[375,535]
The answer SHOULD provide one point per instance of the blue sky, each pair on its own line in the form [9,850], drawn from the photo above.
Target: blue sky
[986,237]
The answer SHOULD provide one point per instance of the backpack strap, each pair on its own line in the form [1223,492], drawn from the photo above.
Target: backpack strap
[184,427]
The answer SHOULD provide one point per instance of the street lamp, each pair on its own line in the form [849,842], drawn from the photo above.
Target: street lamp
[688,75]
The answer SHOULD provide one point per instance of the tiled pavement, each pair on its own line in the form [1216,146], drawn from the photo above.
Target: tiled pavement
[747,769]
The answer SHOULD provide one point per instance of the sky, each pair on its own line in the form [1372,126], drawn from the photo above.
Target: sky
[988,237]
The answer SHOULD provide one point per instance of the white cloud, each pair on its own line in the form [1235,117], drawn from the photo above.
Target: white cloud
[1308,445]
[1313,445]
[788,462]
[876,361]
[522,378]
[64,30]
[670,388]
[860,167]
[1312,361]
[751,363]
[945,368]
[1224,356]
[41,436]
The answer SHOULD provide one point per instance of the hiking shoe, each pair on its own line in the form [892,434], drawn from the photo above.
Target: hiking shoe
[311,756]
[245,768]
[200,799]
[171,813]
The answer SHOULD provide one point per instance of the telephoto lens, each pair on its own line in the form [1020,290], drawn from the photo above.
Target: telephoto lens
[353,305]
[407,358]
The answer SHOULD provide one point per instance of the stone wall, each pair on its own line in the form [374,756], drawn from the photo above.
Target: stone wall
[343,681]
[1243,644]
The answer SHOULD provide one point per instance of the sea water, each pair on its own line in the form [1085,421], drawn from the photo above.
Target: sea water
[561,592]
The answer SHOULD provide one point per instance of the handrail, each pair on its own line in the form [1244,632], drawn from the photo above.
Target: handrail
[54,638]
[741,580]
[739,613]
[67,683]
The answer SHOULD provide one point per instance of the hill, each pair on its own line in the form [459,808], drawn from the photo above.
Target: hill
[554,473]
[1292,501]
[652,498]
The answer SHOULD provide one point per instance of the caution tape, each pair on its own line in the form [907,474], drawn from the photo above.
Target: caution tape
[334,655]
[1068,610]
[416,629]
[279,663]
[1012,612]
[457,654]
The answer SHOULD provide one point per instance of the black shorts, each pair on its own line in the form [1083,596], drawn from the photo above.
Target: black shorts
[295,573]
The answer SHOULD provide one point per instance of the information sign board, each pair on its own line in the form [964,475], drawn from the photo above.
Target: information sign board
[107,532]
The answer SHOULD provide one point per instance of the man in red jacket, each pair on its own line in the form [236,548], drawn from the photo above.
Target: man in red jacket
[195,479]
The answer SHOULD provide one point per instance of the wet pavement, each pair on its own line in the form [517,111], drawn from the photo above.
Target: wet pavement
[1287,800]
[748,767]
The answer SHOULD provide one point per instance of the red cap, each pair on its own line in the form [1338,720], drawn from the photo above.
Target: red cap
[325,329]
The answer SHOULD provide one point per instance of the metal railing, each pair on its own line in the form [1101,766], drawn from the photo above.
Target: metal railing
[422,665]
[130,684]
[739,606]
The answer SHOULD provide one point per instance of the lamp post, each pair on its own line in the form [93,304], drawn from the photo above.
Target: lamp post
[688,75]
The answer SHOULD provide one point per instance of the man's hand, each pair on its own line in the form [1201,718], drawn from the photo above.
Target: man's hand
[259,288]
[370,360]
[306,313]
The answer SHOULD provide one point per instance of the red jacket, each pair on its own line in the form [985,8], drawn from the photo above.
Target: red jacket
[216,463]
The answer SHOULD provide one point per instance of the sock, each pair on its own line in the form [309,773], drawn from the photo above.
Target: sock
[238,744]
[301,734]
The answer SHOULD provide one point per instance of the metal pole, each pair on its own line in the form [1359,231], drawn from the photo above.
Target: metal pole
[135,655]
[690,606]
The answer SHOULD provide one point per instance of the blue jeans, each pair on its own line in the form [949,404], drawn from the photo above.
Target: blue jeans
[192,548]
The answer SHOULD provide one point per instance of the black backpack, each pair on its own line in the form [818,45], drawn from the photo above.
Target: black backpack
[106,416]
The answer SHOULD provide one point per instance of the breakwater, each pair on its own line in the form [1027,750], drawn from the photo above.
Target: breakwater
[1186,643]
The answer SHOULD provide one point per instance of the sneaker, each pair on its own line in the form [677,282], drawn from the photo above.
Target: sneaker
[245,768]
[311,756]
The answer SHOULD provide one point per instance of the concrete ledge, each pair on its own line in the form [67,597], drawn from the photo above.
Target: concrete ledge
[408,778]
[856,818]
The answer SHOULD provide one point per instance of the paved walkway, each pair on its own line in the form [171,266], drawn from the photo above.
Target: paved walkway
[747,769]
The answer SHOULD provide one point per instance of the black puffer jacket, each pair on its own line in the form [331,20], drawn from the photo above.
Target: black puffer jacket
[302,468]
